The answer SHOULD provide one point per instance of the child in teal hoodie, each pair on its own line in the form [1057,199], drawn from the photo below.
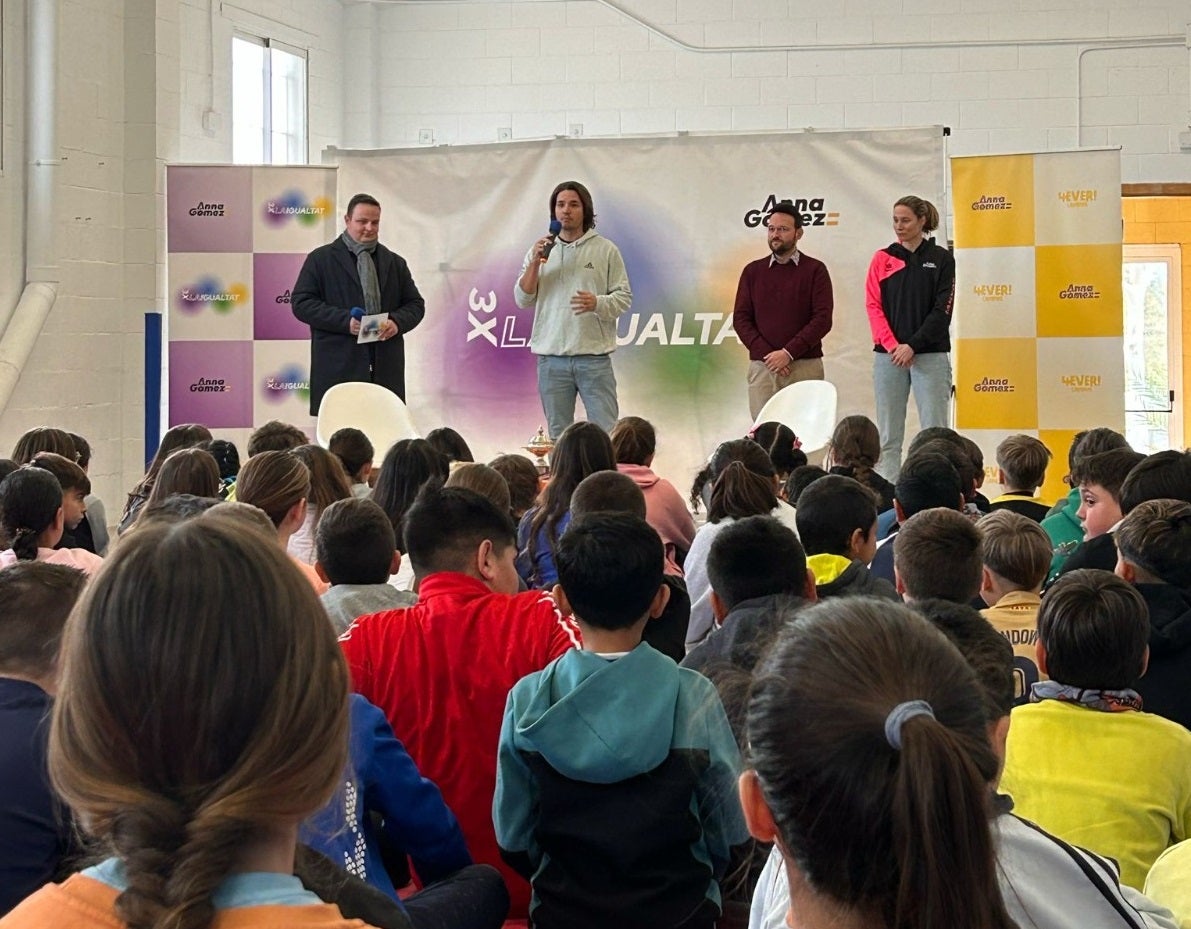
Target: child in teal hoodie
[616,777]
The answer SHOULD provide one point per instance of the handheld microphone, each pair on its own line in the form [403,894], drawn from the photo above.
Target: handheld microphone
[357,312]
[555,229]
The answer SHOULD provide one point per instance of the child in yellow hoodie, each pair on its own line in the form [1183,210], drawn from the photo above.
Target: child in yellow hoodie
[1082,759]
[837,523]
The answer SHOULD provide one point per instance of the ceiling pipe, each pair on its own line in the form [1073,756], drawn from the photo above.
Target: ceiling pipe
[23,323]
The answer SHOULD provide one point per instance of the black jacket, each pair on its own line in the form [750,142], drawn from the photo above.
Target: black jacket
[915,290]
[327,288]
[1166,686]
[858,581]
[1098,552]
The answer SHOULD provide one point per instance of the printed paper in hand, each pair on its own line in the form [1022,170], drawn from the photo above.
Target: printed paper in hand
[370,327]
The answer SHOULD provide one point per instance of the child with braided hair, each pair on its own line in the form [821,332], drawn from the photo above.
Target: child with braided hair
[202,715]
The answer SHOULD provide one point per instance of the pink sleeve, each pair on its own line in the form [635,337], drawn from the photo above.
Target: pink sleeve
[877,323]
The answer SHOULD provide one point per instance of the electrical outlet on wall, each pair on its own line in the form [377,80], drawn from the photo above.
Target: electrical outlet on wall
[504,134]
[426,136]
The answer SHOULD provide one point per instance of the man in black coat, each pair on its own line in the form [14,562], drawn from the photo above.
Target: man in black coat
[356,271]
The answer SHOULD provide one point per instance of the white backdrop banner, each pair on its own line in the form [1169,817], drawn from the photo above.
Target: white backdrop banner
[686,214]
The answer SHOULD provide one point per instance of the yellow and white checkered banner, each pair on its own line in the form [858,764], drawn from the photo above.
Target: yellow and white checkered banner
[1038,307]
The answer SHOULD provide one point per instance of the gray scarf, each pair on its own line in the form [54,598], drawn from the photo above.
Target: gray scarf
[367,270]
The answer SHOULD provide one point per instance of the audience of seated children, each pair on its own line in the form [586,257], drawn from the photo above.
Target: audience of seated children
[92,531]
[441,669]
[582,449]
[924,482]
[634,443]
[782,446]
[1064,527]
[451,445]
[279,484]
[1021,470]
[1154,555]
[597,801]
[486,481]
[75,488]
[837,524]
[522,477]
[1169,882]
[743,483]
[355,452]
[1083,761]
[407,466]
[854,450]
[1015,553]
[936,555]
[328,483]
[191,757]
[32,517]
[184,435]
[355,552]
[37,838]
[1043,882]
[759,578]
[227,457]
[383,793]
[1099,478]
[614,492]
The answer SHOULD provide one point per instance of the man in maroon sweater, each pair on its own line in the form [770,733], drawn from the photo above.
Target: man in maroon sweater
[783,311]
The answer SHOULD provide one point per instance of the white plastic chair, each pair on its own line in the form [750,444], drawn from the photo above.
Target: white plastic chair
[376,411]
[807,407]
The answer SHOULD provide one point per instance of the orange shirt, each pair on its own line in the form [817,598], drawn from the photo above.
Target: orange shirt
[84,903]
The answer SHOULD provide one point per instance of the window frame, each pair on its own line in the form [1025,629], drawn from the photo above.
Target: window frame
[266,90]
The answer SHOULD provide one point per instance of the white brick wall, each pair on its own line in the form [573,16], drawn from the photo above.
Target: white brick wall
[134,81]
[74,378]
[549,64]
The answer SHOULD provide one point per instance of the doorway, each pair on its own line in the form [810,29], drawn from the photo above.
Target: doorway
[1152,292]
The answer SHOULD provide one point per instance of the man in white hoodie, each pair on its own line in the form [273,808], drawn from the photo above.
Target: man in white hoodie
[577,284]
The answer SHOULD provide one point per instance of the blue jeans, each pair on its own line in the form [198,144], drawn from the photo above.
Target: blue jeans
[930,379]
[563,377]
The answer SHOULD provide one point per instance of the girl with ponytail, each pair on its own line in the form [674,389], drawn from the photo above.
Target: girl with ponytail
[33,521]
[202,715]
[738,480]
[872,771]
[854,450]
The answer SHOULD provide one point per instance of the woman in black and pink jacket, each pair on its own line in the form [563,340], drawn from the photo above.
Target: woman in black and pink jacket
[909,293]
